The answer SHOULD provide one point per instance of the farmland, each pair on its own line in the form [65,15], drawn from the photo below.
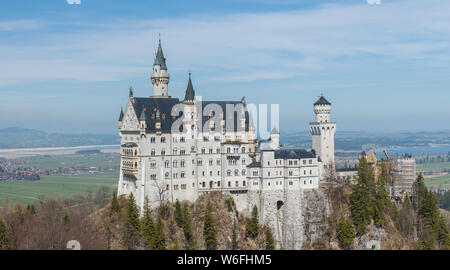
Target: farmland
[55,186]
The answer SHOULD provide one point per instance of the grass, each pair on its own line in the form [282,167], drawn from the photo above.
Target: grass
[433,166]
[64,161]
[55,186]
[443,180]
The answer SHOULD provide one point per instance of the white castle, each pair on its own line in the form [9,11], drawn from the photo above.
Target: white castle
[175,149]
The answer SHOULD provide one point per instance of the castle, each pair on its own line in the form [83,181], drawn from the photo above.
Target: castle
[174,149]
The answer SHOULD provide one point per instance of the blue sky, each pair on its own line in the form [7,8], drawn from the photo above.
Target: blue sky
[67,68]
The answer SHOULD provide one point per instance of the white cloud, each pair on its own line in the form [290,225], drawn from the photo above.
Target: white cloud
[71,2]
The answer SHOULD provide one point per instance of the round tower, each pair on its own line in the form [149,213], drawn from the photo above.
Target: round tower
[322,131]
[160,76]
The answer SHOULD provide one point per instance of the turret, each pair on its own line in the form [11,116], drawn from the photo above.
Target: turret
[275,138]
[160,76]
[322,131]
[120,118]
[322,109]
[190,92]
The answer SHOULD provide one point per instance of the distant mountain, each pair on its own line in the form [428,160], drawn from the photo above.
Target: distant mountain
[17,137]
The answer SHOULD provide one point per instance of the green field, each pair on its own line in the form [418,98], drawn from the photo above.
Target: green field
[433,166]
[55,186]
[443,180]
[65,161]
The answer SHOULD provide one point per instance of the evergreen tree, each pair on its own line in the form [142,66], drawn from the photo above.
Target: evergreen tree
[362,197]
[4,243]
[345,232]
[270,242]
[115,208]
[252,226]
[178,214]
[381,196]
[187,229]
[148,226]
[132,222]
[209,229]
[159,240]
[234,243]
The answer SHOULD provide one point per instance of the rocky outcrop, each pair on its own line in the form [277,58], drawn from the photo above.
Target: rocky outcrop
[316,212]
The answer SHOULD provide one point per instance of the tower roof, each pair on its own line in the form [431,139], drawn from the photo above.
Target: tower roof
[159,58]
[322,101]
[274,131]
[190,92]
[121,114]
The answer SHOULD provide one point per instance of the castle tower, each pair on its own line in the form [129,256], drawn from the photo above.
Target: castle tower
[160,76]
[322,131]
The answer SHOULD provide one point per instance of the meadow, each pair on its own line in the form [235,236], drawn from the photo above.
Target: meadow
[75,160]
[55,186]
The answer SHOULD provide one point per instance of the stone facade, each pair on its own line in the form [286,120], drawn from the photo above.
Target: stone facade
[175,149]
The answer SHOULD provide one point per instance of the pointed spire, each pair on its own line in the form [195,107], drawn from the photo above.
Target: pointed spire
[322,101]
[159,58]
[131,91]
[143,116]
[121,114]
[190,92]
[274,131]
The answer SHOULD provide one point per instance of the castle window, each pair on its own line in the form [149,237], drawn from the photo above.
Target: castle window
[290,183]
[182,163]
[218,173]
[167,187]
[210,150]
[268,163]
[182,174]
[203,173]
[182,139]
[174,151]
[229,173]
[153,164]
[199,162]
[167,175]
[310,171]
[243,161]
[166,164]
[193,172]
[310,181]
[175,163]
[163,152]
[229,183]
[243,149]
[304,161]
[228,150]
[237,183]
[290,173]
[153,152]
[211,162]
[218,183]
[152,139]
[175,187]
[310,161]
[203,150]
[183,186]
[243,172]
[210,173]
[163,139]
[304,182]
[236,172]
[218,162]
[192,149]
[218,150]
[243,183]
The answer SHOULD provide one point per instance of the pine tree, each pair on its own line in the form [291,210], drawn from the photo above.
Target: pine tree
[178,214]
[159,241]
[362,197]
[148,226]
[132,222]
[252,226]
[115,208]
[270,242]
[209,229]
[345,232]
[234,243]
[4,243]
[187,229]
[381,196]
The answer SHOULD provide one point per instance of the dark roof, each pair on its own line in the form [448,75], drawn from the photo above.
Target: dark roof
[130,144]
[274,131]
[190,93]
[226,114]
[293,154]
[322,101]
[254,164]
[148,108]
[159,59]
[121,114]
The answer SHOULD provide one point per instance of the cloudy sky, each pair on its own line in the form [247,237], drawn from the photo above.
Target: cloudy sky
[67,67]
